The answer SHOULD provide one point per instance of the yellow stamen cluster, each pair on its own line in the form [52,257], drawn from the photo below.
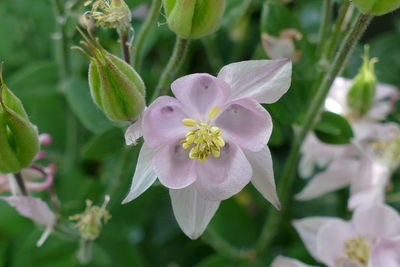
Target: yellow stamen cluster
[89,222]
[389,151]
[204,140]
[110,13]
[357,250]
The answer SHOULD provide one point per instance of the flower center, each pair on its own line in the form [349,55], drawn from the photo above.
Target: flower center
[204,139]
[357,250]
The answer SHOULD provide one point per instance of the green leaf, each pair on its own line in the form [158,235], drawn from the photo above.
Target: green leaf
[78,96]
[333,129]
[104,145]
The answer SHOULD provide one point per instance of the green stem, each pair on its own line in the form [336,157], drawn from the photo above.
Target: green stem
[326,22]
[212,238]
[125,46]
[20,183]
[172,68]
[144,32]
[338,30]
[288,177]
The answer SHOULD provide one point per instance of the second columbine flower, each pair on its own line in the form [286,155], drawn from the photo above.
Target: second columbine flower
[210,141]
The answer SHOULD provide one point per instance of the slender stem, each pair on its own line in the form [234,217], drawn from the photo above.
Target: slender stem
[172,68]
[144,32]
[326,22]
[125,47]
[286,182]
[212,238]
[338,29]
[20,183]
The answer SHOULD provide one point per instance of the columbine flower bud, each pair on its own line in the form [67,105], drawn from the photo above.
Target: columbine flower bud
[110,14]
[360,97]
[194,18]
[19,141]
[116,88]
[91,220]
[377,7]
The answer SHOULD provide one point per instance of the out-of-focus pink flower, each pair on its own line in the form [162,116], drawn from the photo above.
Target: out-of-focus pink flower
[210,141]
[36,210]
[287,262]
[282,46]
[357,164]
[371,238]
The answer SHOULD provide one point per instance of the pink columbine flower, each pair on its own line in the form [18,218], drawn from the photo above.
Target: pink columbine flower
[354,164]
[210,141]
[370,239]
[281,261]
[36,179]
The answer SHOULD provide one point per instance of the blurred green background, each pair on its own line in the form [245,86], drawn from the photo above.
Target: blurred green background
[90,153]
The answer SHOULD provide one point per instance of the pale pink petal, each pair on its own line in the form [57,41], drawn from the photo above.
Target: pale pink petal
[287,262]
[385,254]
[38,186]
[263,80]
[220,178]
[263,174]
[162,121]
[338,175]
[377,221]
[192,212]
[331,240]
[45,139]
[336,100]
[200,92]
[308,229]
[34,209]
[144,175]
[246,123]
[385,100]
[134,132]
[4,182]
[173,166]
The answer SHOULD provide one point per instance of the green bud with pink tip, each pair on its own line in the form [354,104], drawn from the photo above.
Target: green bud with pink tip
[19,140]
[194,18]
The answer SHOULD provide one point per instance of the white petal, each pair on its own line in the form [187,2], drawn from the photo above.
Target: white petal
[134,132]
[308,229]
[192,212]
[263,174]
[287,262]
[36,210]
[337,175]
[144,175]
[263,80]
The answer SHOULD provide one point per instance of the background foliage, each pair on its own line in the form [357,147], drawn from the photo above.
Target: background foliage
[88,149]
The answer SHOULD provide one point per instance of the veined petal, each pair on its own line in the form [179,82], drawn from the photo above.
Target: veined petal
[192,212]
[263,174]
[162,121]
[308,229]
[263,80]
[173,166]
[336,176]
[287,262]
[36,210]
[200,92]
[144,175]
[377,221]
[220,178]
[134,132]
[246,123]
[331,240]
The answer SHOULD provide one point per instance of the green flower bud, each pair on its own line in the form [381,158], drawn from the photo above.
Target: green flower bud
[361,95]
[19,140]
[116,88]
[377,7]
[194,18]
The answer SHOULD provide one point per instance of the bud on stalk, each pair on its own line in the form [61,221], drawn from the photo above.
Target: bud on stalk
[194,18]
[116,88]
[19,140]
[361,95]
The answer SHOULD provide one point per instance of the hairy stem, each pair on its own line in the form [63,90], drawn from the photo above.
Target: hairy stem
[144,32]
[125,47]
[288,177]
[172,68]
